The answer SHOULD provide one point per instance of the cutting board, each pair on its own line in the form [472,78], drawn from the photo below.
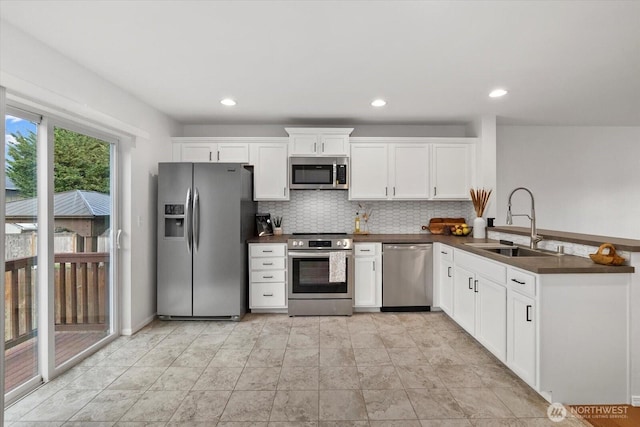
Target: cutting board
[437,225]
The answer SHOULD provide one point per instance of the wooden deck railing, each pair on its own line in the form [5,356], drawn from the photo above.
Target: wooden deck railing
[81,294]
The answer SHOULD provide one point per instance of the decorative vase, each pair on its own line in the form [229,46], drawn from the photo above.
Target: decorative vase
[277,231]
[479,228]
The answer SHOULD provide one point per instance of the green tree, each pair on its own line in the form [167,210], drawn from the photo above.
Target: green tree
[80,163]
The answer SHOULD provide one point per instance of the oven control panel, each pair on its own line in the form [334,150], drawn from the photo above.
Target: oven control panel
[320,244]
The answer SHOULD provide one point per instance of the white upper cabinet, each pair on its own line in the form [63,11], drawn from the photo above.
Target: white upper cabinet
[270,171]
[368,165]
[409,171]
[412,168]
[452,170]
[209,150]
[319,141]
[389,171]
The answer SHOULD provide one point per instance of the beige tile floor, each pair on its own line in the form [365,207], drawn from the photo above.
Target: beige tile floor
[377,369]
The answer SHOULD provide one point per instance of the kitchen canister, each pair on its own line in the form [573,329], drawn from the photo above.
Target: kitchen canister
[479,228]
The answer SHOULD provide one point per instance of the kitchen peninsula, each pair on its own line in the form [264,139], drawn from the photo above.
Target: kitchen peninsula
[560,322]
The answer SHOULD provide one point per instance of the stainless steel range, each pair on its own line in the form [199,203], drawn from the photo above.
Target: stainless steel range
[311,289]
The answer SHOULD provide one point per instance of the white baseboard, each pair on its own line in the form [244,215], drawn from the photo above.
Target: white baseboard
[635,400]
[145,322]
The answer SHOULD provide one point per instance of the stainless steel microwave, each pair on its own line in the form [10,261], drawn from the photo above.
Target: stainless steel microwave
[318,173]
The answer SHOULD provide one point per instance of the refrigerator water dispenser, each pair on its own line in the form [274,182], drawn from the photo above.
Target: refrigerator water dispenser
[174,221]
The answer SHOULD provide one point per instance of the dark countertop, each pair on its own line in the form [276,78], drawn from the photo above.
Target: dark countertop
[566,264]
[630,245]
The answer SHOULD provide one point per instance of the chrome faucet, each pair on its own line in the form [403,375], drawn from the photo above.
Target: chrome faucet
[535,238]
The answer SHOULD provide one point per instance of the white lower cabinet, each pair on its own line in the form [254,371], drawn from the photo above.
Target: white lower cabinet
[368,275]
[464,300]
[268,276]
[491,316]
[480,301]
[566,335]
[521,338]
[444,261]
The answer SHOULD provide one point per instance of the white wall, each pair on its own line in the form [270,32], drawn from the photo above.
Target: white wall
[32,70]
[584,179]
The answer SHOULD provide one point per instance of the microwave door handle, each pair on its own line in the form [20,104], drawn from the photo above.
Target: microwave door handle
[335,174]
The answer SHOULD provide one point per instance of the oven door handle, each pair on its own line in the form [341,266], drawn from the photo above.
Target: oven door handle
[315,254]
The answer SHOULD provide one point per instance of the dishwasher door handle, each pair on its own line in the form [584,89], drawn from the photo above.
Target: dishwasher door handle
[407,247]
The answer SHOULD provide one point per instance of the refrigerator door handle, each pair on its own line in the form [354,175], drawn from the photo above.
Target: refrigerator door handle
[196,220]
[188,218]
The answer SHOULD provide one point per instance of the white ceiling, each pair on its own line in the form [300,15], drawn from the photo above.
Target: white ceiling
[310,62]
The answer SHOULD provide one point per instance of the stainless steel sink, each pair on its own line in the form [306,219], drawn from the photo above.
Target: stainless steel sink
[510,251]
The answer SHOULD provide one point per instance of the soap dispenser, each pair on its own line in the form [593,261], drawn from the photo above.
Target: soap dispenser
[357,228]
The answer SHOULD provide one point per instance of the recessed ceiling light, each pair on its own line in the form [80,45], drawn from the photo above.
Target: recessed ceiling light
[497,93]
[379,103]
[228,102]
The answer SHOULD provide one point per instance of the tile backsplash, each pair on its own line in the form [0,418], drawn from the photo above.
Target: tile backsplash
[331,211]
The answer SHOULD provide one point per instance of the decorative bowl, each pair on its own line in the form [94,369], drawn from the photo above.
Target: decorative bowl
[468,231]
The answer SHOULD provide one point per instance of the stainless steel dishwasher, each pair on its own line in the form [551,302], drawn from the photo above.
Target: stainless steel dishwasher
[407,277]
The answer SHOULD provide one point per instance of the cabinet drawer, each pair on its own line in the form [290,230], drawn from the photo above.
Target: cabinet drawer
[446,253]
[488,269]
[267,250]
[268,295]
[267,276]
[365,249]
[522,282]
[267,263]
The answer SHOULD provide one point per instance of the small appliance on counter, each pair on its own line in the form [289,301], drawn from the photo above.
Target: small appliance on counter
[264,227]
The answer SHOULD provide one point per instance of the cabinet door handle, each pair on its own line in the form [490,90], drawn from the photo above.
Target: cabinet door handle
[267,263]
[209,155]
[374,266]
[365,250]
[470,283]
[323,147]
[518,282]
[267,295]
[435,191]
[218,155]
[314,147]
[475,286]
[444,253]
[265,251]
[394,191]
[528,313]
[267,277]
[386,193]
[284,191]
[448,271]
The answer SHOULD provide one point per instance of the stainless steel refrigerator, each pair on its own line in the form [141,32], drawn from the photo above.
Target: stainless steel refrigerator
[205,215]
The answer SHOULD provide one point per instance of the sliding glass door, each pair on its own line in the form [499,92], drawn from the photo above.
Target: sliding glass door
[21,250]
[82,203]
[60,227]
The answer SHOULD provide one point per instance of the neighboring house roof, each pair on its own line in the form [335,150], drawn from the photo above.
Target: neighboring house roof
[8,184]
[70,204]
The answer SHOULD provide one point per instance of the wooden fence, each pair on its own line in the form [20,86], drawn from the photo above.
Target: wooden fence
[81,293]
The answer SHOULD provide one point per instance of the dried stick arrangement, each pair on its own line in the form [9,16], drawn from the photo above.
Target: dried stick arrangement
[480,198]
